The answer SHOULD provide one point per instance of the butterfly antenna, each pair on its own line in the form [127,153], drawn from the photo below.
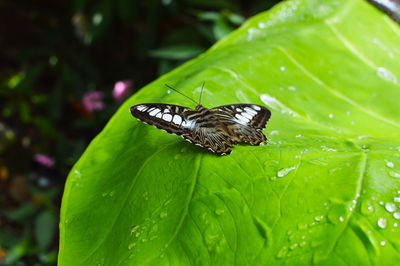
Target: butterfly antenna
[201,92]
[180,93]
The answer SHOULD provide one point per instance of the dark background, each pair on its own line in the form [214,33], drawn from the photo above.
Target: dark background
[54,54]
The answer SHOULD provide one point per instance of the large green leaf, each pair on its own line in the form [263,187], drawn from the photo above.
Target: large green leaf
[324,190]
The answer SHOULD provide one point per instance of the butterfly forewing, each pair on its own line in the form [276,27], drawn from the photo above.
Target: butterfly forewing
[168,117]
[252,115]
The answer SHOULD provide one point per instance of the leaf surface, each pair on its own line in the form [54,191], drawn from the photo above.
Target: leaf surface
[326,188]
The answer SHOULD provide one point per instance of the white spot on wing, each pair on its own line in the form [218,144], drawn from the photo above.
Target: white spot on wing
[255,107]
[188,124]
[239,110]
[167,117]
[166,110]
[242,118]
[159,115]
[177,119]
[141,108]
[247,115]
[250,111]
[154,112]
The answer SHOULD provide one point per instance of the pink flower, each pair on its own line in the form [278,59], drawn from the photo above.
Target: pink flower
[121,89]
[92,100]
[44,160]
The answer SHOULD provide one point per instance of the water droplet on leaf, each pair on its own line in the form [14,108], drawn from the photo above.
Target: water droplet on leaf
[394,174]
[284,171]
[282,252]
[390,206]
[390,164]
[382,223]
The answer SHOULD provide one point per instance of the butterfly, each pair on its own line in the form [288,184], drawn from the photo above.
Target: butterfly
[216,129]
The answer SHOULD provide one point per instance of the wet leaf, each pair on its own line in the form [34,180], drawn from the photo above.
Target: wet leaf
[324,190]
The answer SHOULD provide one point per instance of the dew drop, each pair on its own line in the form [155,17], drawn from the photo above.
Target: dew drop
[282,68]
[396,215]
[330,115]
[394,174]
[274,132]
[396,199]
[284,171]
[336,213]
[366,207]
[386,75]
[303,244]
[319,218]
[382,223]
[282,252]
[390,206]
[383,243]
[293,246]
[134,229]
[390,164]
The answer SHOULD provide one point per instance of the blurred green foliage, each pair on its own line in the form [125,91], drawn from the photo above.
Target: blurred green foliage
[53,53]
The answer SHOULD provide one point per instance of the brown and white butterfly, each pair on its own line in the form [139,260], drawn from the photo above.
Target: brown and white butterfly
[216,129]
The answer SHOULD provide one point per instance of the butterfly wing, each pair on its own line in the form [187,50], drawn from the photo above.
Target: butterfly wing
[211,138]
[168,117]
[244,122]
[184,122]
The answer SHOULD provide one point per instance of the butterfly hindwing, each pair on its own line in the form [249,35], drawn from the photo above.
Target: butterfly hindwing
[211,138]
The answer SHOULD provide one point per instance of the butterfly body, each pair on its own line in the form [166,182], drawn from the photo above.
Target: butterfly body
[216,129]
